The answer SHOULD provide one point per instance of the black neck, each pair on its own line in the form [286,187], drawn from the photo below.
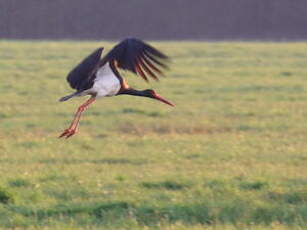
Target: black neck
[134,92]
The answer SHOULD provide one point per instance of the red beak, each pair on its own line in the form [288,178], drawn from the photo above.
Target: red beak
[158,97]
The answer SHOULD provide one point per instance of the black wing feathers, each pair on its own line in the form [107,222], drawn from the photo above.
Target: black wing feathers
[138,57]
[79,77]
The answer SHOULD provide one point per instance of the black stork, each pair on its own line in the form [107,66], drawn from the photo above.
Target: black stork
[100,77]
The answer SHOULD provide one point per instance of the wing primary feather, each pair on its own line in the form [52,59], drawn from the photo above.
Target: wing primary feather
[152,58]
[155,52]
[141,73]
[152,65]
[146,69]
[138,57]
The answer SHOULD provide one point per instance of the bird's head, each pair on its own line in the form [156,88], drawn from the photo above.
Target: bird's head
[152,94]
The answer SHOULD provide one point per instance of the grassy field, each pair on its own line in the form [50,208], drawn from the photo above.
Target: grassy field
[231,155]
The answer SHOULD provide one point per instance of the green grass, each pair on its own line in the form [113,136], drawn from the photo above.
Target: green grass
[231,155]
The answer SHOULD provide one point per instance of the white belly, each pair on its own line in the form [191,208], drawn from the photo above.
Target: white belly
[106,83]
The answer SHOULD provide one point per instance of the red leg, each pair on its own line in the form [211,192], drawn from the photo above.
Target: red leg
[75,123]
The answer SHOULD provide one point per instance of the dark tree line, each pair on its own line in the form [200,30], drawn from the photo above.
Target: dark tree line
[153,19]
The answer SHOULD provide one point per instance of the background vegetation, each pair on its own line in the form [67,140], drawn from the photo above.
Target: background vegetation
[159,19]
[231,155]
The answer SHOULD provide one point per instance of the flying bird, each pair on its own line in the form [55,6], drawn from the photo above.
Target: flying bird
[100,77]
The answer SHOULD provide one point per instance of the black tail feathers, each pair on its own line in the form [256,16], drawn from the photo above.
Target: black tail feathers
[68,97]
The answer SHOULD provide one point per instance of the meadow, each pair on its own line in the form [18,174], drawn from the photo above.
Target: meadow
[231,155]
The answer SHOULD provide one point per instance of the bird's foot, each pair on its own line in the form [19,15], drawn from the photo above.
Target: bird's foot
[68,133]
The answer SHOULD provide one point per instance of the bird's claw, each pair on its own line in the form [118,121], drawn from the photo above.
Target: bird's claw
[68,133]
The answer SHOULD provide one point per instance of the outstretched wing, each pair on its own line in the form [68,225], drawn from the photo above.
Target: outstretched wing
[138,57]
[79,77]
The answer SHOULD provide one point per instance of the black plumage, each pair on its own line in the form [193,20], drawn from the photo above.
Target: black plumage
[131,54]
[80,77]
[100,77]
[138,57]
